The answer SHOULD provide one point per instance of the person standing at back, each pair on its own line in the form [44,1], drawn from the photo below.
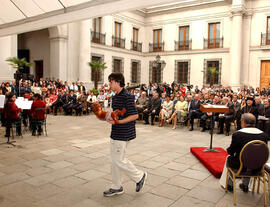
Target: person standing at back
[121,134]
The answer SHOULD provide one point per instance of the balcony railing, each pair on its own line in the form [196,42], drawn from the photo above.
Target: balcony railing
[156,47]
[182,45]
[265,39]
[213,43]
[118,42]
[98,37]
[136,46]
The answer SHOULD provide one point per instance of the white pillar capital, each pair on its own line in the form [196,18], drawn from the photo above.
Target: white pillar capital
[238,7]
[237,11]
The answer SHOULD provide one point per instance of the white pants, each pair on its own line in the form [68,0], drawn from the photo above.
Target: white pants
[120,163]
[222,180]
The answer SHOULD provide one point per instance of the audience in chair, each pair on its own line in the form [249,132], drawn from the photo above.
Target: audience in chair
[239,139]
[180,111]
[166,111]
[152,109]
[57,95]
[208,116]
[265,119]
[194,110]
[226,118]
[142,103]
[237,111]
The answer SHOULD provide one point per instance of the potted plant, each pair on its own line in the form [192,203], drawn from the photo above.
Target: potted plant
[97,66]
[19,64]
[212,71]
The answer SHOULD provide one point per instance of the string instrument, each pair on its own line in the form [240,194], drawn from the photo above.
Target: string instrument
[106,115]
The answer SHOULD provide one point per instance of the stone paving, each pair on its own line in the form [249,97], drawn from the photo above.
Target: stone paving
[70,168]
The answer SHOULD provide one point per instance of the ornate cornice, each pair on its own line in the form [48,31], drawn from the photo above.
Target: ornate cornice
[124,17]
[239,10]
[249,13]
[179,5]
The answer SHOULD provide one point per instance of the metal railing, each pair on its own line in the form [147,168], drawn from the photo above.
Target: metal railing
[213,43]
[156,47]
[136,46]
[265,39]
[118,42]
[182,45]
[98,38]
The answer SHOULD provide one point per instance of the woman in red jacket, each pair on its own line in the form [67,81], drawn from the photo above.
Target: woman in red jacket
[37,115]
[11,112]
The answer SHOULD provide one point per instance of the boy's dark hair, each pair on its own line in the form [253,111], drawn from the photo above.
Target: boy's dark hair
[117,77]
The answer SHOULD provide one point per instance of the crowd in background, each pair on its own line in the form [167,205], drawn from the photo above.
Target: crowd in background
[171,103]
[179,103]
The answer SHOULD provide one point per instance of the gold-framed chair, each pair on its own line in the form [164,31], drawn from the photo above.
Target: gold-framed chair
[253,156]
[267,175]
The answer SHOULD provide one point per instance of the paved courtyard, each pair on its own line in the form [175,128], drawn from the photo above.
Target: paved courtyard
[71,167]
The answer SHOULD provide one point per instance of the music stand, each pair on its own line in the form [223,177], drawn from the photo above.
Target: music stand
[213,109]
[8,138]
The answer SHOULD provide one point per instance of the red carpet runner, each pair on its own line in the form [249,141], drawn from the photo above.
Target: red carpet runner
[213,161]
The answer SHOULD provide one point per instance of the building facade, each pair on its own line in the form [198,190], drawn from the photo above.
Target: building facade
[231,36]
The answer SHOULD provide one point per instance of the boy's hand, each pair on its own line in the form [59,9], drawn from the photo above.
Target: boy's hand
[110,121]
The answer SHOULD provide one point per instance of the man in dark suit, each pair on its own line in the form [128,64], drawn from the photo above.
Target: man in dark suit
[237,111]
[227,117]
[71,101]
[239,139]
[197,90]
[153,108]
[260,112]
[209,115]
[81,87]
[59,102]
[194,110]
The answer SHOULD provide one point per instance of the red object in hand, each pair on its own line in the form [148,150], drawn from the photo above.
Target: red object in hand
[103,115]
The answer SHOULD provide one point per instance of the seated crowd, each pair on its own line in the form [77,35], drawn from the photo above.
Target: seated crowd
[182,104]
[51,95]
[170,103]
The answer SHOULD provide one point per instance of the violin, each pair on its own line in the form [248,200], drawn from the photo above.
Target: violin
[106,115]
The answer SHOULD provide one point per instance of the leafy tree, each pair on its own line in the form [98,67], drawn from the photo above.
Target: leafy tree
[212,71]
[18,63]
[97,66]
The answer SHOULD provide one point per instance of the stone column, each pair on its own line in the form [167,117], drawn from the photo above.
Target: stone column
[84,51]
[238,8]
[246,53]
[58,52]
[8,49]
